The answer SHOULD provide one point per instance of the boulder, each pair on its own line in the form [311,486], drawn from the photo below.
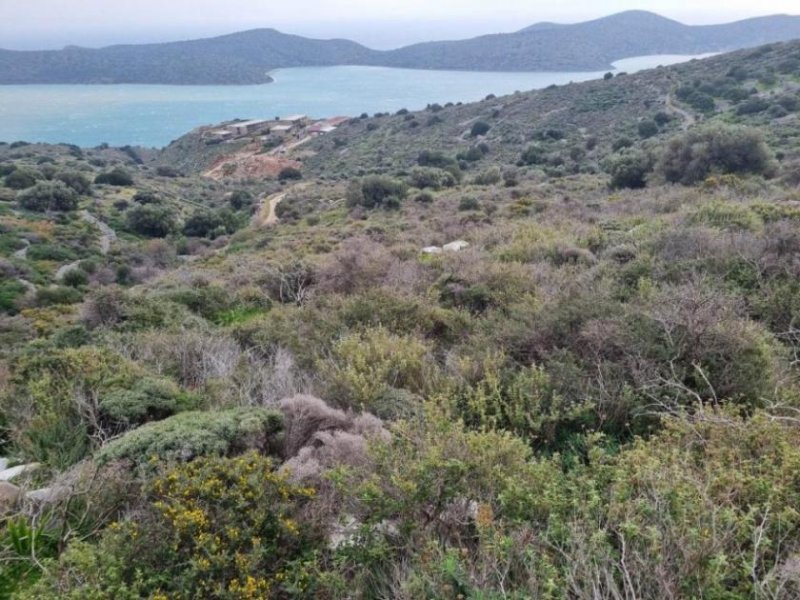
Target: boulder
[9,494]
[9,474]
[456,246]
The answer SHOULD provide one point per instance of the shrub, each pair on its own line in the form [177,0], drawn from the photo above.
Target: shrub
[469,203]
[75,278]
[117,176]
[376,191]
[77,181]
[148,399]
[431,177]
[290,173]
[151,220]
[214,528]
[479,128]
[48,196]
[629,169]
[167,171]
[490,176]
[752,106]
[695,155]
[647,128]
[240,199]
[533,155]
[147,197]
[362,367]
[211,223]
[189,435]
[20,179]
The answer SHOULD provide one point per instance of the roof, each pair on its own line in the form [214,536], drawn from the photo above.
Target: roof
[294,118]
[281,128]
[250,123]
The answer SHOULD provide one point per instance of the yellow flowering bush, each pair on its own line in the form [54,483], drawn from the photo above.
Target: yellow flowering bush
[214,528]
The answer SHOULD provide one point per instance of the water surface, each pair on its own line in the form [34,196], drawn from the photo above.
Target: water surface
[153,115]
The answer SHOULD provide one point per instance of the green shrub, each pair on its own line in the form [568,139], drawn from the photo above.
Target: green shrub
[290,174]
[362,367]
[431,177]
[376,191]
[490,176]
[469,203]
[211,223]
[117,176]
[726,215]
[479,128]
[20,179]
[48,195]
[629,169]
[151,220]
[189,435]
[76,181]
[146,400]
[647,128]
[698,153]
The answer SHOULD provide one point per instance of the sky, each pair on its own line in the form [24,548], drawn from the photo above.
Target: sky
[33,24]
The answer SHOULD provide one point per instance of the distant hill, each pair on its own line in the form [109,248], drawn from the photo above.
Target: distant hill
[247,57]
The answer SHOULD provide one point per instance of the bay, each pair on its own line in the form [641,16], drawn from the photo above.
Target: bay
[153,115]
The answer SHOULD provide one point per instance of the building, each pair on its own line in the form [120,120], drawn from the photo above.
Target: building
[279,129]
[320,129]
[248,127]
[219,135]
[295,119]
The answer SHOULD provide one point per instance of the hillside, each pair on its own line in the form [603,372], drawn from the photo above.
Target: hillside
[543,346]
[247,57]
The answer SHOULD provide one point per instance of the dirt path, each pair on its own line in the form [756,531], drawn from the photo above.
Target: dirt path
[688,118]
[22,254]
[286,148]
[107,235]
[266,214]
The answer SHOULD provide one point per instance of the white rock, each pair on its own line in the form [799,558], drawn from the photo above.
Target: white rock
[456,246]
[48,495]
[3,463]
[432,250]
[9,474]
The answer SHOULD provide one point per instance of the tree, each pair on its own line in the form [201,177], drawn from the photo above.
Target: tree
[48,195]
[698,153]
[151,220]
[608,76]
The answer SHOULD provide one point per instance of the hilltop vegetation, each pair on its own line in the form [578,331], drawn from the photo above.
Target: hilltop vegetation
[540,346]
[247,57]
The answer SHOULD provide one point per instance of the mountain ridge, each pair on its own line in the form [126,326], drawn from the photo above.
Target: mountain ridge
[246,57]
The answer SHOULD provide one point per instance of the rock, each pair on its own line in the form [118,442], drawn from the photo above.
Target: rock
[48,495]
[456,246]
[3,463]
[9,474]
[9,494]
[432,250]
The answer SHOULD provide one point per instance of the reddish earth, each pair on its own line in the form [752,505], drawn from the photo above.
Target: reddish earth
[247,163]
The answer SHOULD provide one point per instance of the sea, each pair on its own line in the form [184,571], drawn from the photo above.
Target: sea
[154,115]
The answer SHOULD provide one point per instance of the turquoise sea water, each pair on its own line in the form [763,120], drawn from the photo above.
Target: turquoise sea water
[153,115]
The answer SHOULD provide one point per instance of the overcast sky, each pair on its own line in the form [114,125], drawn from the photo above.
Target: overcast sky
[26,24]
